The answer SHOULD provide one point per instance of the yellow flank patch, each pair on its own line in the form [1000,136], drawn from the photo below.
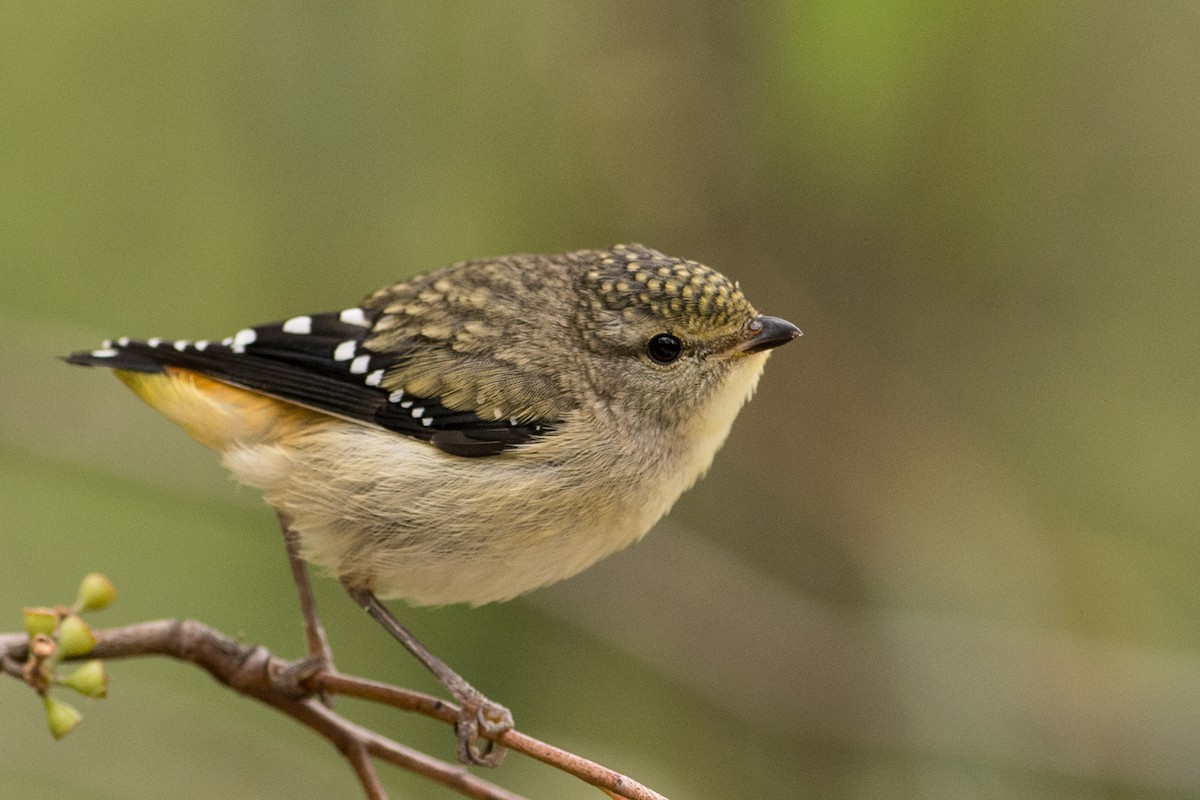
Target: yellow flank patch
[213,413]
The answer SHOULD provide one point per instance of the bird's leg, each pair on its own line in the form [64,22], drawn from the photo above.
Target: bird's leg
[478,716]
[320,656]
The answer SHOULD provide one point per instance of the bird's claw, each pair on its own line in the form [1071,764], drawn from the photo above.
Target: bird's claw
[294,679]
[480,721]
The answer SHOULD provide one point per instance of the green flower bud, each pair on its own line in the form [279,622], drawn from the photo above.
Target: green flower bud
[40,620]
[89,679]
[75,638]
[61,717]
[95,592]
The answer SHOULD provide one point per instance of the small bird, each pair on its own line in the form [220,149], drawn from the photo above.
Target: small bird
[472,433]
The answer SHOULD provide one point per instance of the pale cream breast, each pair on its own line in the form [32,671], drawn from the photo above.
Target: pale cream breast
[410,521]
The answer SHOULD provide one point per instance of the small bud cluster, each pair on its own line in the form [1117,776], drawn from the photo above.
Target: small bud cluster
[60,633]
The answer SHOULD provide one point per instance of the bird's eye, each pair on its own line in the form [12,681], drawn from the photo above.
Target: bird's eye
[664,348]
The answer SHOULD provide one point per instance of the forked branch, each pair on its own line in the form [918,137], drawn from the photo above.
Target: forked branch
[255,672]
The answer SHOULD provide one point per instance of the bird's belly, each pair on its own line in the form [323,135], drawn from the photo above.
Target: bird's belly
[406,520]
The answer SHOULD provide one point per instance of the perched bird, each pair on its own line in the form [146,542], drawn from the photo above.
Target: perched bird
[475,432]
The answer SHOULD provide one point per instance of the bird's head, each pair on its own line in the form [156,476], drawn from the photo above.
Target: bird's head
[668,335]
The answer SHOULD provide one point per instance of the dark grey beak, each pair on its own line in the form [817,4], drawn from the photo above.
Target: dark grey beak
[766,333]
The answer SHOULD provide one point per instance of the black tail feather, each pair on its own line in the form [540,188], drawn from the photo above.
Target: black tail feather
[114,359]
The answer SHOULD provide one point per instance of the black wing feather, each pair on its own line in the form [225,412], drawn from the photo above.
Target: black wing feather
[320,362]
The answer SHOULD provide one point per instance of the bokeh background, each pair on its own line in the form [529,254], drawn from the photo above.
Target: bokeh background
[951,549]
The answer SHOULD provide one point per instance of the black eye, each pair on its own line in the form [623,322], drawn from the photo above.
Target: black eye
[664,348]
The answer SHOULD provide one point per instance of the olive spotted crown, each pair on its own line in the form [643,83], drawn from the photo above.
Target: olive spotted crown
[633,280]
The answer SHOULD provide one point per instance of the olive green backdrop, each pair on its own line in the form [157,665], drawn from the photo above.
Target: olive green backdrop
[951,549]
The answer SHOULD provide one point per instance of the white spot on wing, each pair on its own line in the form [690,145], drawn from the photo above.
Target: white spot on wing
[181,344]
[360,364]
[396,396]
[345,350]
[354,316]
[427,421]
[298,325]
[123,341]
[244,337]
[107,352]
[154,342]
[202,345]
[417,412]
[375,378]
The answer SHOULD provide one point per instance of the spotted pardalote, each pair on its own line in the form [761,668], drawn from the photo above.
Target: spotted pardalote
[478,431]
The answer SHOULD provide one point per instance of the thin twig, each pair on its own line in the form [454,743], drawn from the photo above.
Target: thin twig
[251,671]
[599,776]
[360,758]
[255,672]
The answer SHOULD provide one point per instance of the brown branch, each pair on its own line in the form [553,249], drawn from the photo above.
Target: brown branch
[589,771]
[255,672]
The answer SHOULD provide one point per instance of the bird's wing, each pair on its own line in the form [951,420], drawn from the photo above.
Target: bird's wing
[325,362]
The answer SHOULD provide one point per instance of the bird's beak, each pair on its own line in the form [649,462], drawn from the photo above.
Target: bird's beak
[765,333]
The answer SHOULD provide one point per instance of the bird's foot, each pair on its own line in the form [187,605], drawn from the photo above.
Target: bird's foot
[296,678]
[480,721]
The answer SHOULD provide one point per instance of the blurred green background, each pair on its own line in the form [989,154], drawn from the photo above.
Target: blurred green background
[951,548]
